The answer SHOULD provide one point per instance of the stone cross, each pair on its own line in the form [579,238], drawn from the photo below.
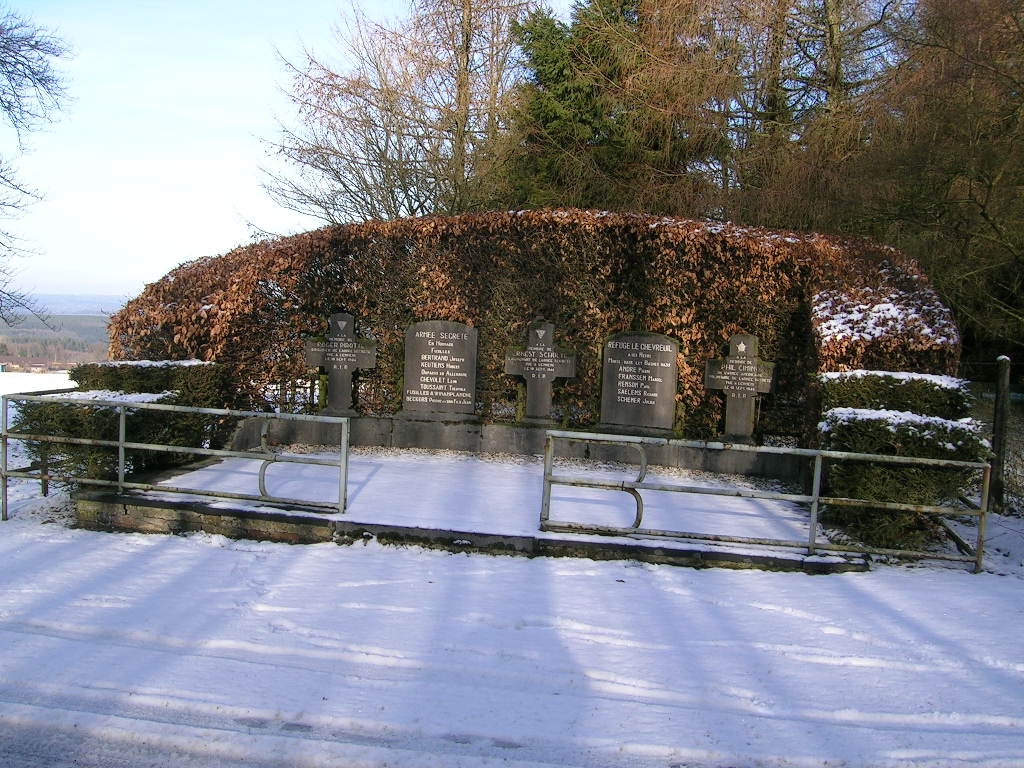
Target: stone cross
[340,354]
[539,365]
[742,377]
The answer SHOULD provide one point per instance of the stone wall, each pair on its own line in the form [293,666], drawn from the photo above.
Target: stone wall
[499,439]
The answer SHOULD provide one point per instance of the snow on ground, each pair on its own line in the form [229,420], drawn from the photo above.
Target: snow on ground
[11,382]
[135,650]
[501,495]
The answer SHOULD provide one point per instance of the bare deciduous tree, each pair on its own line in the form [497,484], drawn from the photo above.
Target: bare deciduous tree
[811,69]
[944,181]
[726,108]
[406,130]
[31,93]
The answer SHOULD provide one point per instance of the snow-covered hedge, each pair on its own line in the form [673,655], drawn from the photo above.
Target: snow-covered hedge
[895,433]
[901,433]
[187,382]
[197,383]
[927,394]
[888,317]
[83,420]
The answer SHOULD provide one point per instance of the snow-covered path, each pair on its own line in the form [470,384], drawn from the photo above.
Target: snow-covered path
[153,650]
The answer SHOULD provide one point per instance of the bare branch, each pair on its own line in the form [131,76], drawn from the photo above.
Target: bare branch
[402,132]
[31,93]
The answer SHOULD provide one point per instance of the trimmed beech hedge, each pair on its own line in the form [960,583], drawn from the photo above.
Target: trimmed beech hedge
[187,382]
[924,394]
[591,274]
[895,433]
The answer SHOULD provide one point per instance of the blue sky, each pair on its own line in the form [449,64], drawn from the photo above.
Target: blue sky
[156,160]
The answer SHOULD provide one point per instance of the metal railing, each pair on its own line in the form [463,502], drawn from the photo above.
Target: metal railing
[44,475]
[814,499]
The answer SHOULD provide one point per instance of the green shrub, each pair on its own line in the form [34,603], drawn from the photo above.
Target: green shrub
[171,383]
[192,382]
[943,396]
[895,433]
[199,384]
[84,421]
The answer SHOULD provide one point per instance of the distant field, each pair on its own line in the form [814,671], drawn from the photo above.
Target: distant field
[80,304]
[65,341]
[90,328]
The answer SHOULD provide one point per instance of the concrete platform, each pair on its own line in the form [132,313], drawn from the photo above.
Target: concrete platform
[463,503]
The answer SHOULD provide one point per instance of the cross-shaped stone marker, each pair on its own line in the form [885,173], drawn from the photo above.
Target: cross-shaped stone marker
[539,365]
[742,376]
[341,354]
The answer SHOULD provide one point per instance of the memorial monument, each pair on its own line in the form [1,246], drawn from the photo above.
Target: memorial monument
[742,376]
[638,381]
[539,365]
[341,354]
[440,370]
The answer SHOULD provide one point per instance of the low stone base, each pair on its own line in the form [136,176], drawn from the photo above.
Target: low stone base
[112,512]
[129,513]
[521,439]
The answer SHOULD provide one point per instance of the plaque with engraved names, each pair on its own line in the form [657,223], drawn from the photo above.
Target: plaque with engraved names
[440,368]
[638,381]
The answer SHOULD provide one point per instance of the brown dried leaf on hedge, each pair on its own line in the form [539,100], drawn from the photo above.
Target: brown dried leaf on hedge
[592,274]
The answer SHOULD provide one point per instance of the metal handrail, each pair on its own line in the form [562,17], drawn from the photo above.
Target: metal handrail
[814,498]
[122,445]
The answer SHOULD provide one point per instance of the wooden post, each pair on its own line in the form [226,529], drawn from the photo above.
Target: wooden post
[44,472]
[997,495]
